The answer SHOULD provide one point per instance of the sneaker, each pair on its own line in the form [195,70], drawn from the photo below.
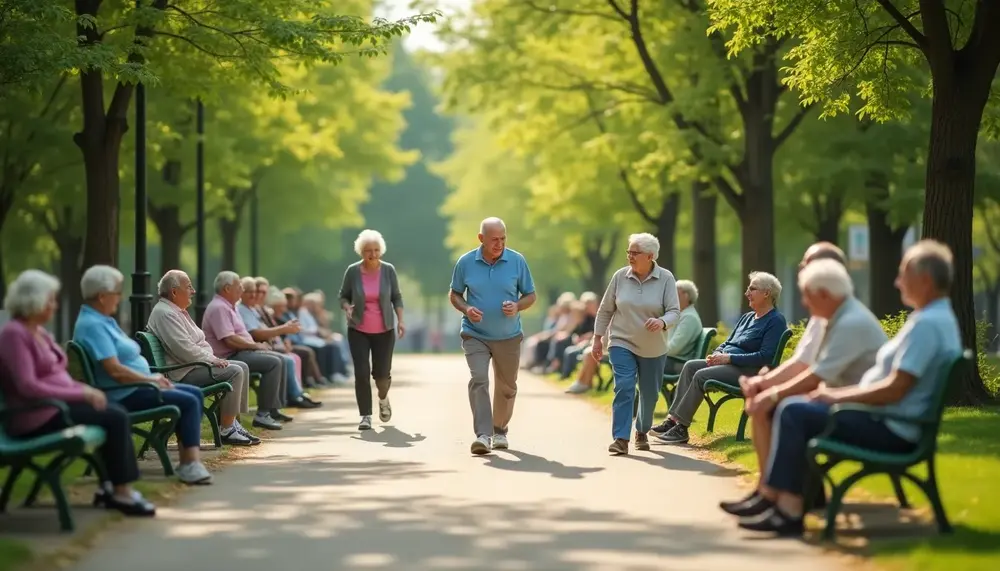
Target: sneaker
[253,439]
[384,410]
[194,474]
[234,437]
[481,445]
[773,520]
[577,388]
[641,441]
[752,505]
[663,427]
[500,442]
[619,447]
[280,416]
[265,421]
[676,435]
[366,422]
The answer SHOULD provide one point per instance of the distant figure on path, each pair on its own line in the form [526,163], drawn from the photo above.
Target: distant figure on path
[370,298]
[490,286]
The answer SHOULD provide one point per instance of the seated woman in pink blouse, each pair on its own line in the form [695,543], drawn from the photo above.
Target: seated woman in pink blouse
[33,367]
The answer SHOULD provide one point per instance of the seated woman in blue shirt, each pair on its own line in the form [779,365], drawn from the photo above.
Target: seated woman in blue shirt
[750,346]
[121,363]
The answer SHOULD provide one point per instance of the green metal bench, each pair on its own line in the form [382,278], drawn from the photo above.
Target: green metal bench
[212,395]
[48,456]
[730,392]
[670,379]
[163,418]
[823,453]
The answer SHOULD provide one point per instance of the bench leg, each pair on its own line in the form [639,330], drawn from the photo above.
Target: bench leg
[897,486]
[837,501]
[741,430]
[211,412]
[934,496]
[713,410]
[56,465]
[157,440]
[8,486]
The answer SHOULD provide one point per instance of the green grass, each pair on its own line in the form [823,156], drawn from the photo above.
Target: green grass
[968,472]
[13,554]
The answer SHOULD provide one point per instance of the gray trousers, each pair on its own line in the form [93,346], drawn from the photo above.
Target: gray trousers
[691,386]
[273,382]
[489,419]
[236,373]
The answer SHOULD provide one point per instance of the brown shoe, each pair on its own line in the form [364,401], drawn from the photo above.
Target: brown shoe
[641,441]
[618,447]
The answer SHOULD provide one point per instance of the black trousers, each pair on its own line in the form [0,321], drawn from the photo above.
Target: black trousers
[118,451]
[379,347]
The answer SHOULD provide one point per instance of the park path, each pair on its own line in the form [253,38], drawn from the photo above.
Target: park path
[408,495]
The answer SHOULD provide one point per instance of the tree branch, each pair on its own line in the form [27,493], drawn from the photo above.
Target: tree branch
[568,11]
[904,23]
[792,125]
[727,191]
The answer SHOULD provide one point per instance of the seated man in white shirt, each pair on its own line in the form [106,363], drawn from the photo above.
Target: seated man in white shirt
[184,342]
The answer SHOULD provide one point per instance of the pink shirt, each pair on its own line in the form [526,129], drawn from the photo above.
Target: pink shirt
[221,320]
[371,318]
[32,369]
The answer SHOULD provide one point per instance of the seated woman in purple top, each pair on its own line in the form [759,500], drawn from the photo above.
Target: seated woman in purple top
[33,367]
[751,345]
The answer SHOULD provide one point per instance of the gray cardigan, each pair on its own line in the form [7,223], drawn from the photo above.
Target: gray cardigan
[352,291]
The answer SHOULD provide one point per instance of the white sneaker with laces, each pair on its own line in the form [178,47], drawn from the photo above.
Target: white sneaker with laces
[366,422]
[481,445]
[194,474]
[500,442]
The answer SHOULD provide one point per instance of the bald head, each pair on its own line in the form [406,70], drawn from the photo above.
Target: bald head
[823,251]
[493,237]
[492,224]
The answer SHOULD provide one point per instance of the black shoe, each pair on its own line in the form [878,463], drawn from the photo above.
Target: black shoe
[676,435]
[663,427]
[774,521]
[752,505]
[138,507]
[305,402]
[280,416]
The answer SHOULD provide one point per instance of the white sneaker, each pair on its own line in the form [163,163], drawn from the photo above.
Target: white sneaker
[366,422]
[500,442]
[384,409]
[481,445]
[577,388]
[194,474]
[339,379]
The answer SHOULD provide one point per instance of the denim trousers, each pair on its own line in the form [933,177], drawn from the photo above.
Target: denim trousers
[631,370]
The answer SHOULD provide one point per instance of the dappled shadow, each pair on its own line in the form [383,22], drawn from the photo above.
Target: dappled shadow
[390,436]
[662,459]
[970,432]
[525,462]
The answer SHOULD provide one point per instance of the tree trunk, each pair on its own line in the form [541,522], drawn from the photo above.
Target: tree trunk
[168,223]
[829,212]
[70,252]
[666,230]
[956,114]
[230,229]
[598,251]
[705,262]
[885,246]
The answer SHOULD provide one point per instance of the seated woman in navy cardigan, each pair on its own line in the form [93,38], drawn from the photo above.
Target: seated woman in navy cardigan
[751,345]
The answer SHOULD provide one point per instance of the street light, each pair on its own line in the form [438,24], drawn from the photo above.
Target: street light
[254,228]
[202,298]
[141,298]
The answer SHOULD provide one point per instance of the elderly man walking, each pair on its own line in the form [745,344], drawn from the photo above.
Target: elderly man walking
[490,286]
[184,342]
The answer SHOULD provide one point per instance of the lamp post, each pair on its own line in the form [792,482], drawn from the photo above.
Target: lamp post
[201,301]
[254,268]
[141,298]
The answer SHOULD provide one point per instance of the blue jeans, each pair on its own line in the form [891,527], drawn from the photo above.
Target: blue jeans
[798,420]
[294,384]
[630,369]
[187,398]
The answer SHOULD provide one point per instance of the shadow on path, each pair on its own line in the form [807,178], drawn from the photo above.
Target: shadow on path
[530,463]
[390,436]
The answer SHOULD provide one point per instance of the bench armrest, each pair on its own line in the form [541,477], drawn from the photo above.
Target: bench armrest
[8,411]
[875,411]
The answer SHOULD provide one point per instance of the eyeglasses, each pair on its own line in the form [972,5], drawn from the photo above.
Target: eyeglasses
[633,253]
[753,288]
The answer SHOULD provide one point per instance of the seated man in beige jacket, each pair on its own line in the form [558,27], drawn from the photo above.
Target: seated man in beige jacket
[184,342]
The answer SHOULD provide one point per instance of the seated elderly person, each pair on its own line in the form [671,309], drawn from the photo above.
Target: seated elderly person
[228,336]
[120,363]
[853,335]
[33,367]
[184,342]
[253,295]
[275,305]
[331,359]
[584,333]
[908,371]
[752,344]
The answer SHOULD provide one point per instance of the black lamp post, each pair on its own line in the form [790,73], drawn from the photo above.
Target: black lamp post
[254,268]
[141,298]
[202,296]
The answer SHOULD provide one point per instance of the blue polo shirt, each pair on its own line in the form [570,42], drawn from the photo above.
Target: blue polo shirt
[486,286]
[102,338]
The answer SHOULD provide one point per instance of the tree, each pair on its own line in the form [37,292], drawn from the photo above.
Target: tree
[848,46]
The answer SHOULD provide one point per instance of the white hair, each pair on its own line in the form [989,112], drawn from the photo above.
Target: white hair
[588,296]
[248,283]
[934,259]
[368,236]
[767,283]
[169,281]
[275,296]
[99,279]
[826,275]
[491,221]
[565,299]
[688,287]
[225,278]
[312,297]
[647,243]
[30,293]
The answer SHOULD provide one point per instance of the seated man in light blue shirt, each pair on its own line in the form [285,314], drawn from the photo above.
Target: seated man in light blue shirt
[909,371]
[683,338]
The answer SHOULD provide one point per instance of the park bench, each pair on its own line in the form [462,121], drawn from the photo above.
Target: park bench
[212,394]
[670,379]
[730,392]
[47,456]
[162,419]
[824,453]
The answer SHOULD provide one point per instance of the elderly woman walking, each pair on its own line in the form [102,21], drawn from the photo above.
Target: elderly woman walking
[639,305]
[370,296]
[34,367]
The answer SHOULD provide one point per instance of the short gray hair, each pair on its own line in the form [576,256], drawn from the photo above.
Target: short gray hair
[827,275]
[491,221]
[99,279]
[225,278]
[589,296]
[275,296]
[169,281]
[30,293]
[367,236]
[768,283]
[688,287]
[934,259]
[248,283]
[647,243]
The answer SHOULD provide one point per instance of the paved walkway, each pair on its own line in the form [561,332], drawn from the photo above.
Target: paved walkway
[408,495]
